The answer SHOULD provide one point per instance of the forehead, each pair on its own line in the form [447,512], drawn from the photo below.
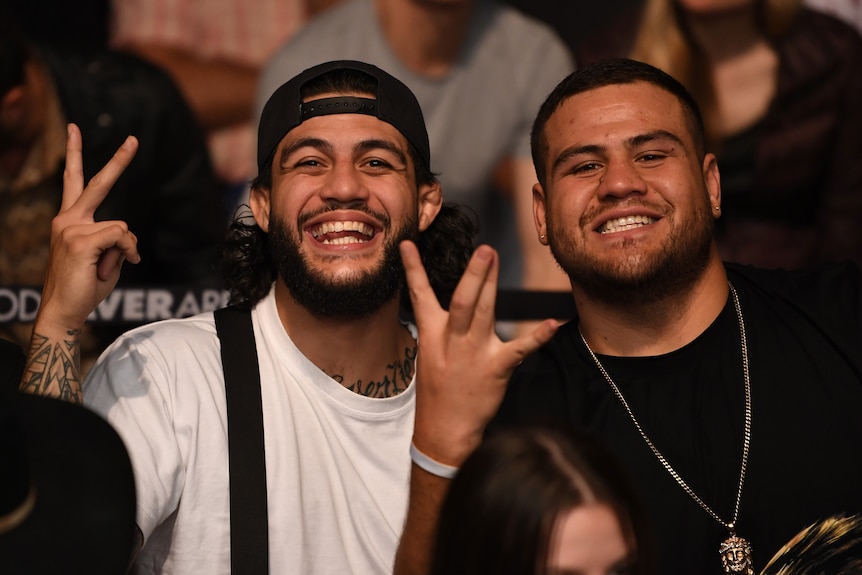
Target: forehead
[618,111]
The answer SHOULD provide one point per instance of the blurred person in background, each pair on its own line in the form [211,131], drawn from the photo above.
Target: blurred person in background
[214,49]
[168,194]
[779,85]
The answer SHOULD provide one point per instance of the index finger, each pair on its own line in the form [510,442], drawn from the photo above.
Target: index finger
[421,294]
[73,174]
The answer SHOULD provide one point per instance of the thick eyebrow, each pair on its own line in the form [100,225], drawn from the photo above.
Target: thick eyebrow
[381,144]
[642,139]
[317,143]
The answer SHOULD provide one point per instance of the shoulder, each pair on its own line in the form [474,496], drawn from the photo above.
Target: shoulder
[816,39]
[825,285]
[828,295]
[106,68]
[114,94]
[163,346]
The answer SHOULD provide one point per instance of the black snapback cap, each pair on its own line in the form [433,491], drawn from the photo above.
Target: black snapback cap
[394,104]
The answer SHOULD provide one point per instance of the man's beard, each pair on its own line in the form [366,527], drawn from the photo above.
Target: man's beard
[355,297]
[639,278]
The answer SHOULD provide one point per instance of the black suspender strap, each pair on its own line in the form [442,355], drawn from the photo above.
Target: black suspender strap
[249,527]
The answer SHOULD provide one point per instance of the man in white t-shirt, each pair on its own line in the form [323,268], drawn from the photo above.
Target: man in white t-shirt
[344,177]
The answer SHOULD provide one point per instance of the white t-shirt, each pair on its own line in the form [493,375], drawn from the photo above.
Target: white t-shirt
[337,463]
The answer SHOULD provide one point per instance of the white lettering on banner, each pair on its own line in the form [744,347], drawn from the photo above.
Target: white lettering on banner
[189,306]
[107,310]
[8,305]
[19,305]
[159,304]
[133,305]
[138,305]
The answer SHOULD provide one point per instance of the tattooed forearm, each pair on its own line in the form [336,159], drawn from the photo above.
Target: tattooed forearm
[54,367]
[397,379]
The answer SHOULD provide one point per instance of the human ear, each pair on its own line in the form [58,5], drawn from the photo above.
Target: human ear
[712,180]
[430,201]
[540,213]
[259,200]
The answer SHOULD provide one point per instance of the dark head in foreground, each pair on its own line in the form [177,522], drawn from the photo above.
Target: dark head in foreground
[535,501]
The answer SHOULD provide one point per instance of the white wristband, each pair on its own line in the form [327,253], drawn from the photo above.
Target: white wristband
[432,466]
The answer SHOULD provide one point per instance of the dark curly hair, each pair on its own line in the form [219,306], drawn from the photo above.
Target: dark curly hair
[445,246]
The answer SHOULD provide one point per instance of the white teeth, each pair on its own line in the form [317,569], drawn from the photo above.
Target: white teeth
[625,223]
[347,226]
[344,240]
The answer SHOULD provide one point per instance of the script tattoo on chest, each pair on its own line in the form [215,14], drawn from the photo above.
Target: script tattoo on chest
[397,378]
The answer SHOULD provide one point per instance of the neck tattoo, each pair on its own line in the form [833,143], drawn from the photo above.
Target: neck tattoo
[735,552]
[397,378]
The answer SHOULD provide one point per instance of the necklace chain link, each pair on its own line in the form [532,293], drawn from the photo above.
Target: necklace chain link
[731,525]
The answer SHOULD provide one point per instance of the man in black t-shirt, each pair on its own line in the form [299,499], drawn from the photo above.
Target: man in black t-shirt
[731,394]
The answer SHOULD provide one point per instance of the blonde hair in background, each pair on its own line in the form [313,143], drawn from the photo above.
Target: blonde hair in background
[664,42]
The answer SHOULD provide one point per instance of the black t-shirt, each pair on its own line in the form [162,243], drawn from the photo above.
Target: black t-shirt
[804,332]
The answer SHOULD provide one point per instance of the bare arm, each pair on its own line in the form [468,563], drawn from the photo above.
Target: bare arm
[462,372]
[84,266]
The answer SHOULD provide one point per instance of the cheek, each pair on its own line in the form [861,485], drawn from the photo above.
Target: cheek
[564,209]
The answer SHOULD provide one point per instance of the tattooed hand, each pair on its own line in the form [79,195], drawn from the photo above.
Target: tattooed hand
[84,266]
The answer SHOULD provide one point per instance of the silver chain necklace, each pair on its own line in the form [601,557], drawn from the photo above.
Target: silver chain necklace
[735,551]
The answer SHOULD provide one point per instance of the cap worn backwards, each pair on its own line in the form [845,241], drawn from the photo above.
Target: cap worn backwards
[394,104]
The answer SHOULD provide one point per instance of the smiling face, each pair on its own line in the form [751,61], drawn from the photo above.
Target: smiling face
[343,196]
[588,540]
[627,204]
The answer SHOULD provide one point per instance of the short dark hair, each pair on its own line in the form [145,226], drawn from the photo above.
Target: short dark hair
[502,506]
[612,72]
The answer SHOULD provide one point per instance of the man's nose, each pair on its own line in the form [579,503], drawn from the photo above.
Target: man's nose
[620,179]
[345,184]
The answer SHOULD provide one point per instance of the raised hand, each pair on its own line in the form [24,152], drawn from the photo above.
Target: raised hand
[462,372]
[84,266]
[463,367]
